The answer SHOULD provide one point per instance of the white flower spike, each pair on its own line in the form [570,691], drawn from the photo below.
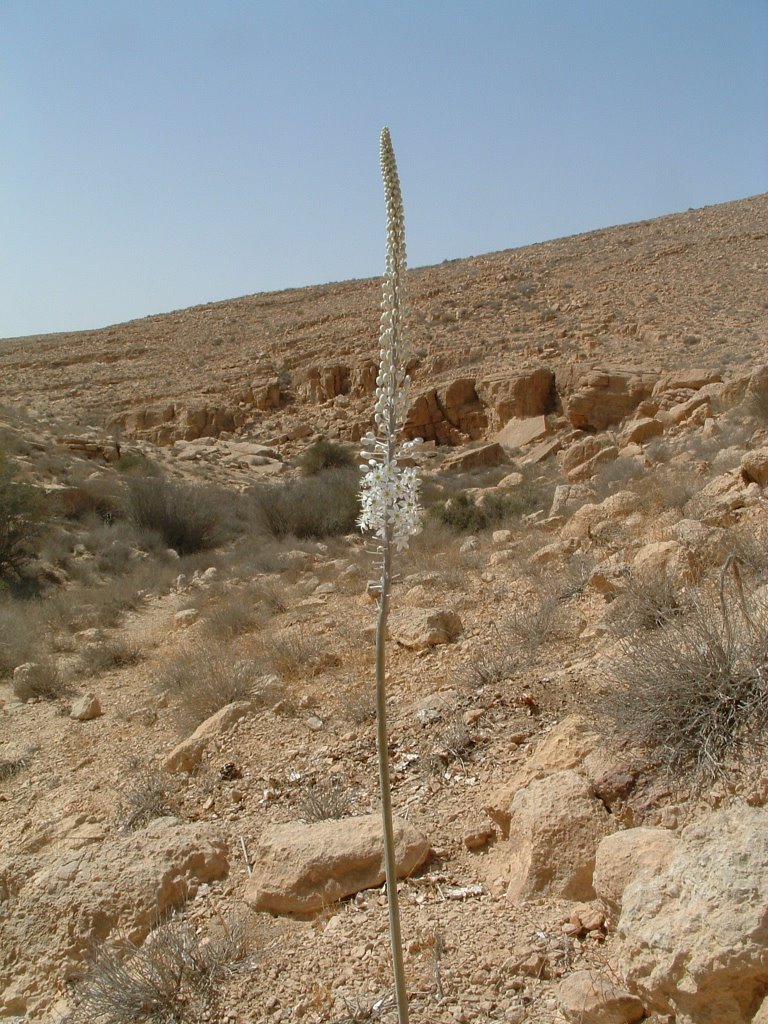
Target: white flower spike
[389,494]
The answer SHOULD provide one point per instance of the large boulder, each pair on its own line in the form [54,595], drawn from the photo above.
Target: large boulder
[300,868]
[419,628]
[694,939]
[565,746]
[589,997]
[624,856]
[555,826]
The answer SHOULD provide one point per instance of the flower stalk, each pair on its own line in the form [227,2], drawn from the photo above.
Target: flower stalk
[390,508]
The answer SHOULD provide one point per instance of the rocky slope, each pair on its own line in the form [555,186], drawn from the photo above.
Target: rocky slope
[572,856]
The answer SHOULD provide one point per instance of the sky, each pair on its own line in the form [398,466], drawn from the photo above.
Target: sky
[157,154]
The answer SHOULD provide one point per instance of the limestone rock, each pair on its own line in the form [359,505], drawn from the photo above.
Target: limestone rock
[509,481]
[517,432]
[588,469]
[86,708]
[419,628]
[587,518]
[581,451]
[602,397]
[555,826]
[754,465]
[686,379]
[761,1017]
[565,746]
[589,997]
[475,458]
[641,430]
[85,894]
[568,497]
[623,856]
[302,868]
[694,939]
[188,754]
[665,558]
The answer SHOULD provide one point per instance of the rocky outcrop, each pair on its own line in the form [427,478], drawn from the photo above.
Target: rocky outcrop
[601,398]
[127,883]
[555,826]
[622,857]
[470,408]
[300,868]
[694,939]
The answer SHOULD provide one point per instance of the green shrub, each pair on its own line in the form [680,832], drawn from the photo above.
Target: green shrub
[320,506]
[187,518]
[22,516]
[325,454]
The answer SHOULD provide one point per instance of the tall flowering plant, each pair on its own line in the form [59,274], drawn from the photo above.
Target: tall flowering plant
[390,510]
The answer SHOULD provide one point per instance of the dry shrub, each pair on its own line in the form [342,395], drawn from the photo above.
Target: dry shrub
[23,513]
[150,793]
[172,978]
[647,602]
[12,766]
[695,690]
[108,653]
[495,661]
[22,633]
[542,617]
[359,1009]
[437,549]
[272,594]
[324,800]
[324,455]
[230,615]
[319,506]
[48,682]
[456,740]
[187,518]
[292,657]
[204,678]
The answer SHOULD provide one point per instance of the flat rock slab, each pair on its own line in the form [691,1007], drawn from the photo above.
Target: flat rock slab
[300,868]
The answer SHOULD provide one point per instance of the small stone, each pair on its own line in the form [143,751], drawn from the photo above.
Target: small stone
[86,708]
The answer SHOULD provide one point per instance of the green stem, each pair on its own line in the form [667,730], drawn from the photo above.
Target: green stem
[390,862]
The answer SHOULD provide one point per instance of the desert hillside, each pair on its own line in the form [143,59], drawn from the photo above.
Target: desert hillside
[688,289]
[577,653]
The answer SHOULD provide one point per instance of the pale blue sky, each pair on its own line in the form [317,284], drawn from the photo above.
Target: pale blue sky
[163,153]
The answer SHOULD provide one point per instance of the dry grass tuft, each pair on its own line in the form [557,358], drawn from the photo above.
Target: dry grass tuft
[172,978]
[150,794]
[694,691]
[203,678]
[324,800]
